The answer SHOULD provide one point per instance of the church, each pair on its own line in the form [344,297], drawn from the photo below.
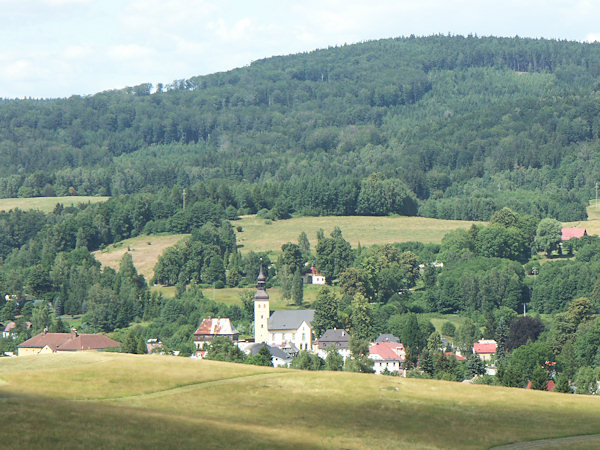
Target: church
[290,329]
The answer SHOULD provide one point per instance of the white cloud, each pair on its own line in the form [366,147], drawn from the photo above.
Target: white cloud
[129,51]
[17,70]
[77,51]
[64,2]
[592,37]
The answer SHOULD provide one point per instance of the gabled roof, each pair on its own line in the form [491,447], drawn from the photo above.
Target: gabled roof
[69,341]
[275,351]
[387,351]
[485,347]
[569,233]
[215,327]
[458,357]
[88,342]
[387,338]
[290,320]
[339,337]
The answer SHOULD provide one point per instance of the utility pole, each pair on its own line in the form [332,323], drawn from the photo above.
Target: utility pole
[184,199]
[596,195]
[524,310]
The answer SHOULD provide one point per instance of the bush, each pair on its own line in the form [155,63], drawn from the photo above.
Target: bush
[448,329]
[219,284]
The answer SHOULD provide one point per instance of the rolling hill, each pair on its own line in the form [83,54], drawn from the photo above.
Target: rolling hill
[119,401]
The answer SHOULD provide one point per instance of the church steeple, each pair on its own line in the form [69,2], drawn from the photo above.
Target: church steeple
[261,308]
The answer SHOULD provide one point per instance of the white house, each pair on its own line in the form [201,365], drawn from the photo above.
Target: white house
[313,277]
[388,356]
[337,338]
[278,356]
[211,328]
[282,328]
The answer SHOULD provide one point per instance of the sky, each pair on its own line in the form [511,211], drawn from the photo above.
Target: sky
[59,48]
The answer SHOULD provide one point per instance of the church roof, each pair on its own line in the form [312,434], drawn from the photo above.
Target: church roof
[219,326]
[290,320]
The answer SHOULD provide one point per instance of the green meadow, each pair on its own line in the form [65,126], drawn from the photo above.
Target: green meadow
[46,204]
[264,235]
[71,400]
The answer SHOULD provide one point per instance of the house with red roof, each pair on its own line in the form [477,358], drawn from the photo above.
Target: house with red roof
[570,233]
[313,277]
[65,342]
[211,328]
[388,356]
[485,349]
[458,357]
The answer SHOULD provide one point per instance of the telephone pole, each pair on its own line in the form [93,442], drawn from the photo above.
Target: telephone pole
[183,199]
[596,195]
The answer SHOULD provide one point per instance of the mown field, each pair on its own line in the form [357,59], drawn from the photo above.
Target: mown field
[138,401]
[46,204]
[264,235]
[144,250]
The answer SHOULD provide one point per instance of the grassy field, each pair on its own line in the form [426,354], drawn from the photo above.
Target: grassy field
[46,204]
[144,250]
[127,401]
[257,235]
[231,296]
[592,225]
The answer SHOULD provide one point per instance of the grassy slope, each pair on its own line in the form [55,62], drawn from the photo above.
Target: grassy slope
[153,401]
[144,250]
[46,204]
[258,236]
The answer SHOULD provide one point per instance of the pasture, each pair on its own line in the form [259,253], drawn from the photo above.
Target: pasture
[259,235]
[108,400]
[144,250]
[46,204]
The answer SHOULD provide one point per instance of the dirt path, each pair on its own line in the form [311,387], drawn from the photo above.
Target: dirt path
[192,387]
[581,441]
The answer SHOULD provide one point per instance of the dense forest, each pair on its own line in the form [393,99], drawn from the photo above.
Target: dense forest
[459,126]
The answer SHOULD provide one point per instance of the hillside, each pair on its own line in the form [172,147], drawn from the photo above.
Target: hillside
[124,401]
[465,124]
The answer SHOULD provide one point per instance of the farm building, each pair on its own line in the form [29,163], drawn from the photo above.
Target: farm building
[211,328]
[64,342]
[313,277]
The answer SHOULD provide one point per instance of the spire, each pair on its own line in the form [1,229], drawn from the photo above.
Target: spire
[261,284]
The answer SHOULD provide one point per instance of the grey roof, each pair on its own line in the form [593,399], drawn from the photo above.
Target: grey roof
[275,352]
[387,338]
[290,320]
[335,335]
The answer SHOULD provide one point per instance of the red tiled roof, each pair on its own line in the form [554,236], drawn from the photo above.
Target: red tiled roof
[485,347]
[549,385]
[569,233]
[69,341]
[458,357]
[387,350]
[216,327]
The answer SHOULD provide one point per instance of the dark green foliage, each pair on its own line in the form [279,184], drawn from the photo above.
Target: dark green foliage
[539,379]
[333,361]
[334,255]
[223,349]
[474,366]
[262,358]
[518,367]
[548,235]
[297,288]
[326,311]
[523,329]
[562,385]
[359,360]
[448,329]
[307,361]
[380,197]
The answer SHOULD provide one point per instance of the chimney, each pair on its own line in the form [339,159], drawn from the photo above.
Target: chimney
[74,333]
[45,331]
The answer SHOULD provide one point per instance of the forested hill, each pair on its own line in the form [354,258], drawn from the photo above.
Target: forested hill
[457,127]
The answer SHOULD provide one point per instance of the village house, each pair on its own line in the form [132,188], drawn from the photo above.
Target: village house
[338,338]
[64,342]
[211,328]
[10,330]
[387,338]
[388,356]
[313,277]
[485,349]
[282,328]
[570,233]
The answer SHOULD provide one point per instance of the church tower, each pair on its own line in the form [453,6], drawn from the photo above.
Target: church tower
[261,309]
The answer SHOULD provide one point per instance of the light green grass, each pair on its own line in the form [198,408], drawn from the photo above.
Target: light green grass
[127,401]
[258,236]
[231,296]
[46,204]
